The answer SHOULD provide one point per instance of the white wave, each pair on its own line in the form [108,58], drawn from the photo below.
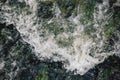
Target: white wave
[84,52]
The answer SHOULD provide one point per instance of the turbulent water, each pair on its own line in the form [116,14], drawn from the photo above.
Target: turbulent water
[72,45]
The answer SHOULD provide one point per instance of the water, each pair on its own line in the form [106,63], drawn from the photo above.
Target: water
[63,39]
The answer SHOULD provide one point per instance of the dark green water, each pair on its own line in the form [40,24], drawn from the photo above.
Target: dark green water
[19,62]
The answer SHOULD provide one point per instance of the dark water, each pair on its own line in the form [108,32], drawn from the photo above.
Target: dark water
[20,62]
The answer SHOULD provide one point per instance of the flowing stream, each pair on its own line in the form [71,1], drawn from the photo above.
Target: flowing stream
[79,43]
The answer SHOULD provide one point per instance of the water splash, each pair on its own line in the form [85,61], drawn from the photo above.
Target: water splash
[78,50]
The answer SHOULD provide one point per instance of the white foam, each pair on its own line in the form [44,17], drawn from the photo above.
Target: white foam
[77,56]
[2,65]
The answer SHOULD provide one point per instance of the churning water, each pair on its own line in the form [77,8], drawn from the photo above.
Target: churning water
[63,39]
